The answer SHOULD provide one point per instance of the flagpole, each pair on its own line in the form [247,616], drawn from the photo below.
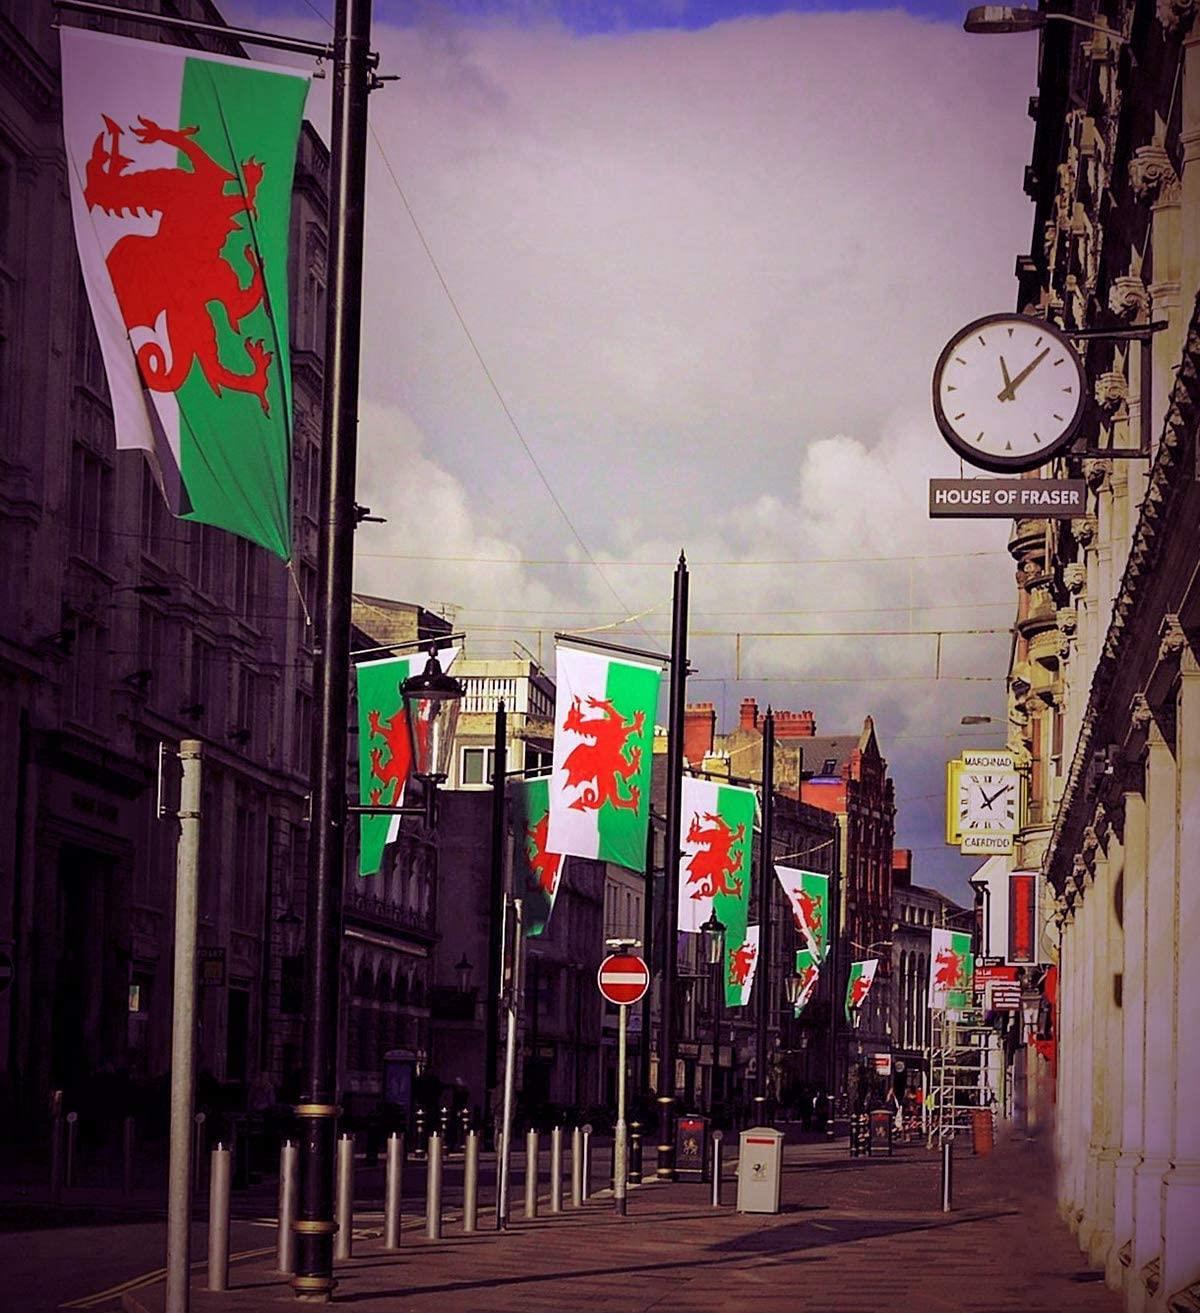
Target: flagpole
[495,970]
[766,878]
[317,1112]
[835,931]
[676,714]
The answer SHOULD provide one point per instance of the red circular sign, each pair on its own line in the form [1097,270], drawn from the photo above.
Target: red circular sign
[623,978]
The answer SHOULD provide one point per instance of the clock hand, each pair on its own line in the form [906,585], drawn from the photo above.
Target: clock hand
[1009,393]
[987,802]
[1004,371]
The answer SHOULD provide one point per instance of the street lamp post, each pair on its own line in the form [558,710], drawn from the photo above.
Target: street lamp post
[766,881]
[712,938]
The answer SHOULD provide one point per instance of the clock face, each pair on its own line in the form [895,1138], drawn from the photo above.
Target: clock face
[1008,392]
[987,800]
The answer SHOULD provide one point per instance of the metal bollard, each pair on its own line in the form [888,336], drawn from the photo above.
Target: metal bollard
[343,1209]
[433,1190]
[444,1125]
[72,1128]
[587,1161]
[717,1137]
[470,1181]
[531,1173]
[464,1126]
[556,1169]
[393,1191]
[635,1153]
[56,1148]
[197,1149]
[127,1164]
[419,1135]
[947,1175]
[289,1181]
[219,1178]
[577,1168]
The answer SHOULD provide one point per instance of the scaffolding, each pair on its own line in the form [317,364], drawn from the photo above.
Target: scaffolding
[958,1071]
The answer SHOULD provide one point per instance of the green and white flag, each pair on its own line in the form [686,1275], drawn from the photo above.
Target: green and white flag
[952,978]
[743,964]
[603,747]
[536,872]
[384,751]
[180,170]
[862,976]
[716,843]
[808,896]
[809,970]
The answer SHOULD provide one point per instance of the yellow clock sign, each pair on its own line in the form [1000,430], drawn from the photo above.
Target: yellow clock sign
[983,801]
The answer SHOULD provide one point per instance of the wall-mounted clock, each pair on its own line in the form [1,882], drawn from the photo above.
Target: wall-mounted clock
[987,800]
[1009,392]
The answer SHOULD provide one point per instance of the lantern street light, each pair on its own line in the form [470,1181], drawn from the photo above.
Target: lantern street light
[712,941]
[463,969]
[431,705]
[291,931]
[992,20]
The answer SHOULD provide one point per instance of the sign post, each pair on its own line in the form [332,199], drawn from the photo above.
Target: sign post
[623,980]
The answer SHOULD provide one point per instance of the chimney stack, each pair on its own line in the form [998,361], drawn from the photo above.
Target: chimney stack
[699,731]
[749,718]
[795,725]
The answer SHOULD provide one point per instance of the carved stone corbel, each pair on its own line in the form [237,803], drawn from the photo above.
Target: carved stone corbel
[1176,16]
[1084,529]
[1140,713]
[1097,470]
[1129,300]
[1171,638]
[1074,577]
[1067,619]
[1151,175]
[1111,392]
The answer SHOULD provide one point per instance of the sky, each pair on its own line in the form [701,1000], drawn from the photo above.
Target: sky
[645,278]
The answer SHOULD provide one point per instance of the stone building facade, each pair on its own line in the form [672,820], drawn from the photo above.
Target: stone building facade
[1105,685]
[122,628]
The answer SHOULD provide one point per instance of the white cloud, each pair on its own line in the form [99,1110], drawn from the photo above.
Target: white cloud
[710,273]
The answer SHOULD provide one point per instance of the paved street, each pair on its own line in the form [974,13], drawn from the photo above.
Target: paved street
[853,1236]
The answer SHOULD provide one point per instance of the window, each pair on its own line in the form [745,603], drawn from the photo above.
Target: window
[89,363]
[829,766]
[536,759]
[476,767]
[91,489]
[88,668]
[302,729]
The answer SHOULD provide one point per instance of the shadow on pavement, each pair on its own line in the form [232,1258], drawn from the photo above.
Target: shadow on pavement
[812,1234]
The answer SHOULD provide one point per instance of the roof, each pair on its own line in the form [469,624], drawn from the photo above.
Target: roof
[822,748]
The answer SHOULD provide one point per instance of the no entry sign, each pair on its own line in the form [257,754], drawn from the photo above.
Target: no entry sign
[623,978]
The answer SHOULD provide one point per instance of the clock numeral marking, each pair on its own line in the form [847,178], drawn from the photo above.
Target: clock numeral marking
[951,388]
[980,437]
[1010,332]
[960,360]
[1057,416]
[1060,360]
[1068,389]
[1039,341]
[981,341]
[960,415]
[1037,439]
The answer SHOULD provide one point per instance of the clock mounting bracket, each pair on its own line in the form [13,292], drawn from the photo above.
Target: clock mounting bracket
[1143,333]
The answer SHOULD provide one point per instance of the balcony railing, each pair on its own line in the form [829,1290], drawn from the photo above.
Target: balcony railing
[381,912]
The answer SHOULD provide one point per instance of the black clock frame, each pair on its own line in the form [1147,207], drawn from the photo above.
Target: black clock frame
[1008,464]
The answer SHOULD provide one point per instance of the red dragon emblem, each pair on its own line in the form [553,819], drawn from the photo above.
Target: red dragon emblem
[601,765]
[808,978]
[741,960]
[176,274]
[543,866]
[393,771]
[950,973]
[808,913]
[715,864]
[859,990]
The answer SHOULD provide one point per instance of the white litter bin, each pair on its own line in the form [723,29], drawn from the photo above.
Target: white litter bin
[760,1166]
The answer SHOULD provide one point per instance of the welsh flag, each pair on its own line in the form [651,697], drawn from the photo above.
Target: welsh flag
[808,896]
[603,746]
[180,173]
[716,841]
[742,965]
[862,977]
[808,968]
[536,872]
[384,754]
[952,978]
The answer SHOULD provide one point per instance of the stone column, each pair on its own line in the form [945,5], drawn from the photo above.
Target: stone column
[1160,992]
[1108,1057]
[1133,1033]
[1086,1148]
[1064,1028]
[1181,1184]
[1189,141]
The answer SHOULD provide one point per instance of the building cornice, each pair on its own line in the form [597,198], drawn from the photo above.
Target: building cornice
[1171,478]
